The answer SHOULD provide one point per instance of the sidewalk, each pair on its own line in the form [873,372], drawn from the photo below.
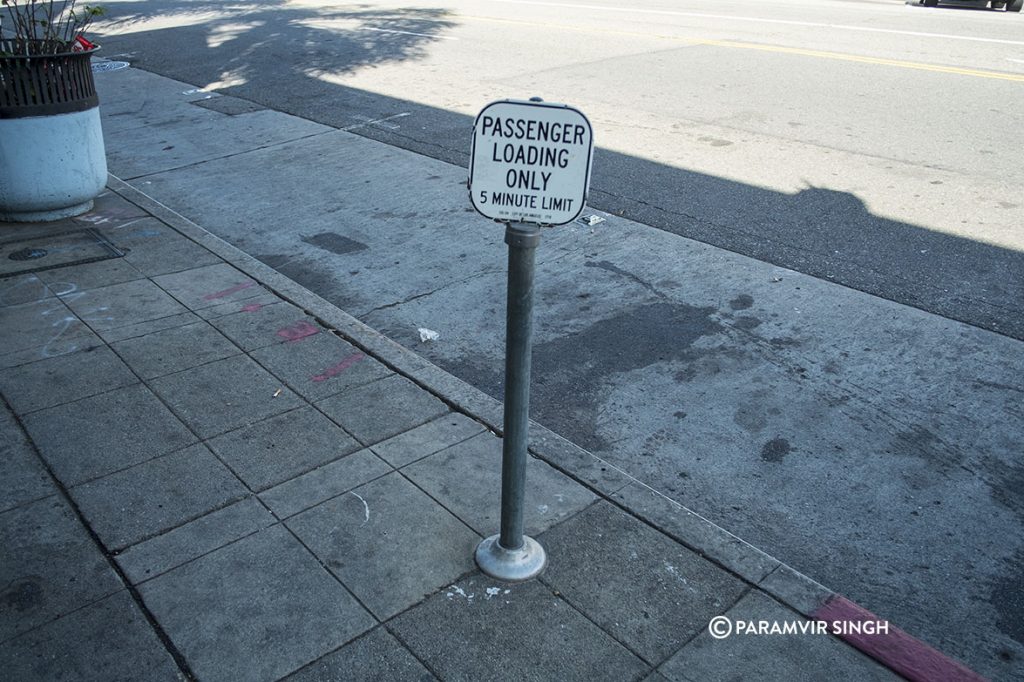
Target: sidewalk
[211,473]
[204,479]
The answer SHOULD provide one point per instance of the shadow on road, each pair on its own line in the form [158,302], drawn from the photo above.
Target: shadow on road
[246,41]
[283,56]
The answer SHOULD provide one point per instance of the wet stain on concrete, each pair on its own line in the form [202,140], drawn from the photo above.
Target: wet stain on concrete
[571,374]
[1008,599]
[742,302]
[704,364]
[1007,484]
[22,594]
[775,450]
[274,260]
[917,439]
[746,322]
[605,265]
[919,442]
[750,418]
[335,243]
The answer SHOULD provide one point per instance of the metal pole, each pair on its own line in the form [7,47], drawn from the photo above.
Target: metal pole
[512,556]
[522,240]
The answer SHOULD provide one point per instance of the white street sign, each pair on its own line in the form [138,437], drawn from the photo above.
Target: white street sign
[530,162]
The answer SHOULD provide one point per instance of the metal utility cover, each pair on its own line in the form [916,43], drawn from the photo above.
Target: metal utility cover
[530,162]
[46,252]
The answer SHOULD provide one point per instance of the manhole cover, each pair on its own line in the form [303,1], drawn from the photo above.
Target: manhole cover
[109,66]
[28,254]
[74,247]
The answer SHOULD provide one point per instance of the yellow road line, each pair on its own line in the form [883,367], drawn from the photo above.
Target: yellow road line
[1019,78]
[736,45]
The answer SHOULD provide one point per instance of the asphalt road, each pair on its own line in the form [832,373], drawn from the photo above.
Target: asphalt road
[861,142]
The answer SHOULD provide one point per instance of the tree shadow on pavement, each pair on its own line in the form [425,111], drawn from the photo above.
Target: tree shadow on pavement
[252,42]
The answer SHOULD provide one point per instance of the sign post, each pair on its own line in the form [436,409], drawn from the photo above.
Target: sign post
[530,166]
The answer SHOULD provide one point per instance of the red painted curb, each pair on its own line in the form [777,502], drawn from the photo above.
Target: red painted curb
[890,646]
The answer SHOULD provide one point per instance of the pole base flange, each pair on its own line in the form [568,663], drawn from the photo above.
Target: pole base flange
[511,565]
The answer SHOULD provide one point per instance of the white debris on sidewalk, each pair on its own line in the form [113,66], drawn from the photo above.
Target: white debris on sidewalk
[428,335]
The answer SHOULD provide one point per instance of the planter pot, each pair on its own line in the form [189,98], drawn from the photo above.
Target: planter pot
[52,159]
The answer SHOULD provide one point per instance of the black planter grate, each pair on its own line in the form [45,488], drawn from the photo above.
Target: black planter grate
[34,83]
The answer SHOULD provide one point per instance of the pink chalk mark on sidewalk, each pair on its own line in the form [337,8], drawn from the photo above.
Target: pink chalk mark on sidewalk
[298,331]
[898,651]
[337,369]
[253,307]
[227,292]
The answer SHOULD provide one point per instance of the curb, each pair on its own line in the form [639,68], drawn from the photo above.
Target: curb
[760,570]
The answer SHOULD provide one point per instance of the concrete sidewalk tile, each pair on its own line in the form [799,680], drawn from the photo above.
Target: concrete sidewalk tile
[697,532]
[383,409]
[425,440]
[153,248]
[87,276]
[269,452]
[224,395]
[209,285]
[323,483]
[473,494]
[102,434]
[156,496]
[388,542]
[264,298]
[194,539]
[24,478]
[108,640]
[377,655]
[320,364]
[479,629]
[573,459]
[123,110]
[132,331]
[22,289]
[254,610]
[175,349]
[203,135]
[109,210]
[64,379]
[120,305]
[71,339]
[49,566]
[39,330]
[796,657]
[642,587]
[258,325]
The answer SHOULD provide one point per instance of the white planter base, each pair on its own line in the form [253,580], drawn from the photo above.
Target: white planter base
[51,167]
[46,216]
